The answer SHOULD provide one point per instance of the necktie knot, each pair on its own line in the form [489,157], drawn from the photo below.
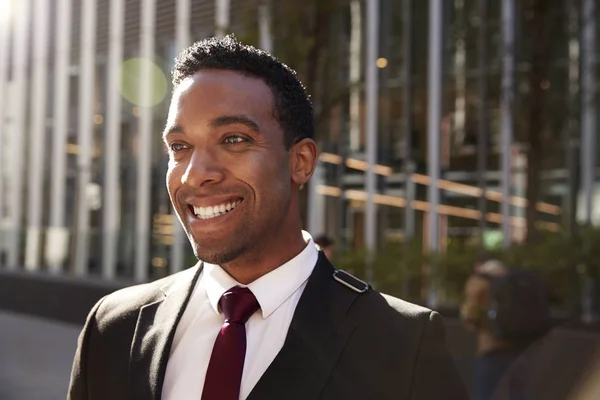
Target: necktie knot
[238,304]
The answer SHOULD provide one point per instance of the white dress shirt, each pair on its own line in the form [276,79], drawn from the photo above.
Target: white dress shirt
[277,292]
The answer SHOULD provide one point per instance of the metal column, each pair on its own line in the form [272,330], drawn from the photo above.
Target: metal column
[372,98]
[17,135]
[588,107]
[264,26]
[144,171]
[85,131]
[409,167]
[182,35]
[571,130]
[433,134]
[39,92]
[316,202]
[57,235]
[588,150]
[222,16]
[507,112]
[460,70]
[182,40]
[409,223]
[483,123]
[112,152]
[4,58]
[354,73]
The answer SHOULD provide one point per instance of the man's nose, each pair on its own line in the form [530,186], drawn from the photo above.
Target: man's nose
[204,168]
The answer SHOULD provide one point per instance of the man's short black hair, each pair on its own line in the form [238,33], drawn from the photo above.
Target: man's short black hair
[293,109]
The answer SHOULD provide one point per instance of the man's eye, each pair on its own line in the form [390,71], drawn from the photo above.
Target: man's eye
[234,140]
[175,147]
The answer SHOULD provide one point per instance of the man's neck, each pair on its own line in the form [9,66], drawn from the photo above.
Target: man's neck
[251,267]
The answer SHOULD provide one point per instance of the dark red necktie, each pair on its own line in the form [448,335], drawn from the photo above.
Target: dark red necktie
[224,374]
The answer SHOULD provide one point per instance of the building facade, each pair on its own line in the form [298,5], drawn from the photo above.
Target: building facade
[438,105]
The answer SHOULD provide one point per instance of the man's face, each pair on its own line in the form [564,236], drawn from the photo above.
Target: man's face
[229,174]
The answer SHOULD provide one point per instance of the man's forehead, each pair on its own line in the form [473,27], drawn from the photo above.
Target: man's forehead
[210,87]
[184,85]
[221,77]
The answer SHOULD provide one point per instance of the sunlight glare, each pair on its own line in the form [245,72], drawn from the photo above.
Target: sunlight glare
[5,10]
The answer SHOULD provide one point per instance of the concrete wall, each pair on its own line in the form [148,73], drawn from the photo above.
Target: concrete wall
[60,298]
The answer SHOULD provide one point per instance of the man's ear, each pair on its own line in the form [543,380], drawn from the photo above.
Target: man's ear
[303,160]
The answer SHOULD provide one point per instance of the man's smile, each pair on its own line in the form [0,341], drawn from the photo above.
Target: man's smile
[213,211]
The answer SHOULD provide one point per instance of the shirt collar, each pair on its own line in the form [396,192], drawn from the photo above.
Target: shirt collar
[271,290]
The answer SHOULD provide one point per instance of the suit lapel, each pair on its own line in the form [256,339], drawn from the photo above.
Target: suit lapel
[154,333]
[318,333]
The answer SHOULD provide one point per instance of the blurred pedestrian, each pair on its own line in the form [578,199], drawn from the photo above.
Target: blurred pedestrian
[494,355]
[504,318]
[263,315]
[326,244]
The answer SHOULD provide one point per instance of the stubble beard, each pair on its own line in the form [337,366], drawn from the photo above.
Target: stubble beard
[226,254]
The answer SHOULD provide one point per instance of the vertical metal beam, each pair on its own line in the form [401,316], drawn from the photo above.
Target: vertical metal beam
[507,112]
[222,16]
[4,58]
[144,171]
[460,70]
[372,98]
[264,26]
[316,202]
[384,134]
[182,34]
[409,166]
[85,130]
[57,235]
[588,107]
[112,152]
[182,40]
[39,93]
[434,118]
[433,134]
[409,222]
[354,75]
[571,131]
[17,133]
[588,149]
[483,131]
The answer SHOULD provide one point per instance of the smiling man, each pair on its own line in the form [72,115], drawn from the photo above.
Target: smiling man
[263,315]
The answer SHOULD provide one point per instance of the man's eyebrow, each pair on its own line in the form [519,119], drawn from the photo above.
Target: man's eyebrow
[171,130]
[234,119]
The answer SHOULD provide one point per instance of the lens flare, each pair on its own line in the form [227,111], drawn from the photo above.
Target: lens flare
[130,87]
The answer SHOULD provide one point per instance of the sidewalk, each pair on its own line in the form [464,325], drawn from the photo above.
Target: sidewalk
[35,357]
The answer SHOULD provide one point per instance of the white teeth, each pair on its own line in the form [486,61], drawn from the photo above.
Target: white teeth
[215,211]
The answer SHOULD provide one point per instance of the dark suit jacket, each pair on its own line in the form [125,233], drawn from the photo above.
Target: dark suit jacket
[341,344]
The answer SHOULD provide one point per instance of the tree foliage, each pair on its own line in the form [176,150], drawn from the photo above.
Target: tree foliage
[558,257]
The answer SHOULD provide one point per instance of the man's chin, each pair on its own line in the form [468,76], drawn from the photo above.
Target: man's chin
[216,256]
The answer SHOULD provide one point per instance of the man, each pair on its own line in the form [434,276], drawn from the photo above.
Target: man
[263,315]
[494,355]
